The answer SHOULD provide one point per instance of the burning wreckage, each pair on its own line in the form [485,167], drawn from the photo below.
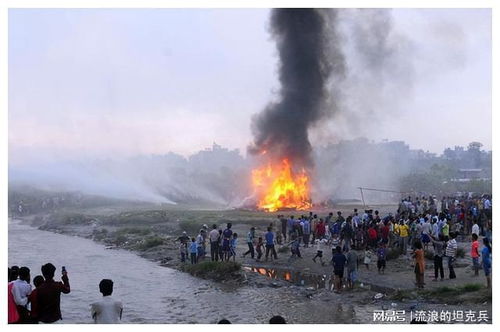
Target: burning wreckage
[309,52]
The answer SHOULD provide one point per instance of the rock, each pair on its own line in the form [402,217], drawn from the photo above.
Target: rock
[378,296]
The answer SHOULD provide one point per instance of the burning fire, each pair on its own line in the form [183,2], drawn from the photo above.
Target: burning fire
[278,187]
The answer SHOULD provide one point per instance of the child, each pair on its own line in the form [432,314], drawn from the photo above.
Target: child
[232,246]
[335,240]
[359,238]
[382,256]
[474,253]
[182,251]
[319,252]
[419,264]
[33,298]
[294,247]
[368,258]
[259,248]
[193,249]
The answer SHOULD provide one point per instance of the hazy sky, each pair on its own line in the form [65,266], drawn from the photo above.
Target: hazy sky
[93,82]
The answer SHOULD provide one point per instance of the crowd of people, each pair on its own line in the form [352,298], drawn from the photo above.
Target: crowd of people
[422,224]
[41,303]
[418,226]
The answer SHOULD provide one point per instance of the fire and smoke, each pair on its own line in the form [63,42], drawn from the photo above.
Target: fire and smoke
[306,40]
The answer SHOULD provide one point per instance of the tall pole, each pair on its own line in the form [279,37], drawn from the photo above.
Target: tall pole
[362,196]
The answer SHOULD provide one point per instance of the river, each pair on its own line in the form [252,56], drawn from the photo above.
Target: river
[154,294]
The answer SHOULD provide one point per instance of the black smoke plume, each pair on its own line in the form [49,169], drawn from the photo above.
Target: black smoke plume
[309,52]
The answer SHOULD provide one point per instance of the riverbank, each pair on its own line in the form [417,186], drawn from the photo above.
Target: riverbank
[151,234]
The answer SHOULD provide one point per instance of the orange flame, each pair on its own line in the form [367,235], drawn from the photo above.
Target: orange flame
[278,187]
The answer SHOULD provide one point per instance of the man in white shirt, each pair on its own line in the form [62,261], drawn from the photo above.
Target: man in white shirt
[214,243]
[475,229]
[108,310]
[21,289]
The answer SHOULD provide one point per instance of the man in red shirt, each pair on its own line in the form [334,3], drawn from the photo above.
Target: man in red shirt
[474,253]
[33,298]
[384,232]
[49,295]
[372,235]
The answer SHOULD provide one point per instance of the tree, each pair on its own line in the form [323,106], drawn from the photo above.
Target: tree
[474,154]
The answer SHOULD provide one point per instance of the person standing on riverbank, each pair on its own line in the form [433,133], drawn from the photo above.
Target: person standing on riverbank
[451,253]
[214,243]
[338,260]
[49,294]
[233,245]
[270,244]
[438,256]
[250,239]
[419,264]
[474,253]
[21,291]
[381,258]
[193,251]
[486,255]
[33,299]
[306,228]
[108,310]
[352,268]
[226,239]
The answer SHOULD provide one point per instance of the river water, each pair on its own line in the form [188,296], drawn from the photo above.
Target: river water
[154,294]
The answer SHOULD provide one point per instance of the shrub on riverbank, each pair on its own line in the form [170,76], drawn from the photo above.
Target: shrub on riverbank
[151,242]
[214,270]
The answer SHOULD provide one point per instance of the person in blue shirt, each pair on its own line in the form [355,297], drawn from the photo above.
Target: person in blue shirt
[290,226]
[486,255]
[250,240]
[307,232]
[338,261]
[193,250]
[226,239]
[295,248]
[270,244]
[233,245]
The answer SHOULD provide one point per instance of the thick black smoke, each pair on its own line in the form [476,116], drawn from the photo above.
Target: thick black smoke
[309,53]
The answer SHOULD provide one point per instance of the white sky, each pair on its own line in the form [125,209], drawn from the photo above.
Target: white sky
[96,82]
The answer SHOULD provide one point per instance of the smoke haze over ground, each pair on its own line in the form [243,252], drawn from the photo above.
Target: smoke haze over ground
[114,102]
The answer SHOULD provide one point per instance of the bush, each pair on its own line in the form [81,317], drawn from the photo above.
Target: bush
[121,239]
[134,231]
[151,242]
[213,270]
[190,226]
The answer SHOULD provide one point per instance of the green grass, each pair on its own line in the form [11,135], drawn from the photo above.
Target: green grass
[134,231]
[151,242]
[470,287]
[215,270]
[455,292]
